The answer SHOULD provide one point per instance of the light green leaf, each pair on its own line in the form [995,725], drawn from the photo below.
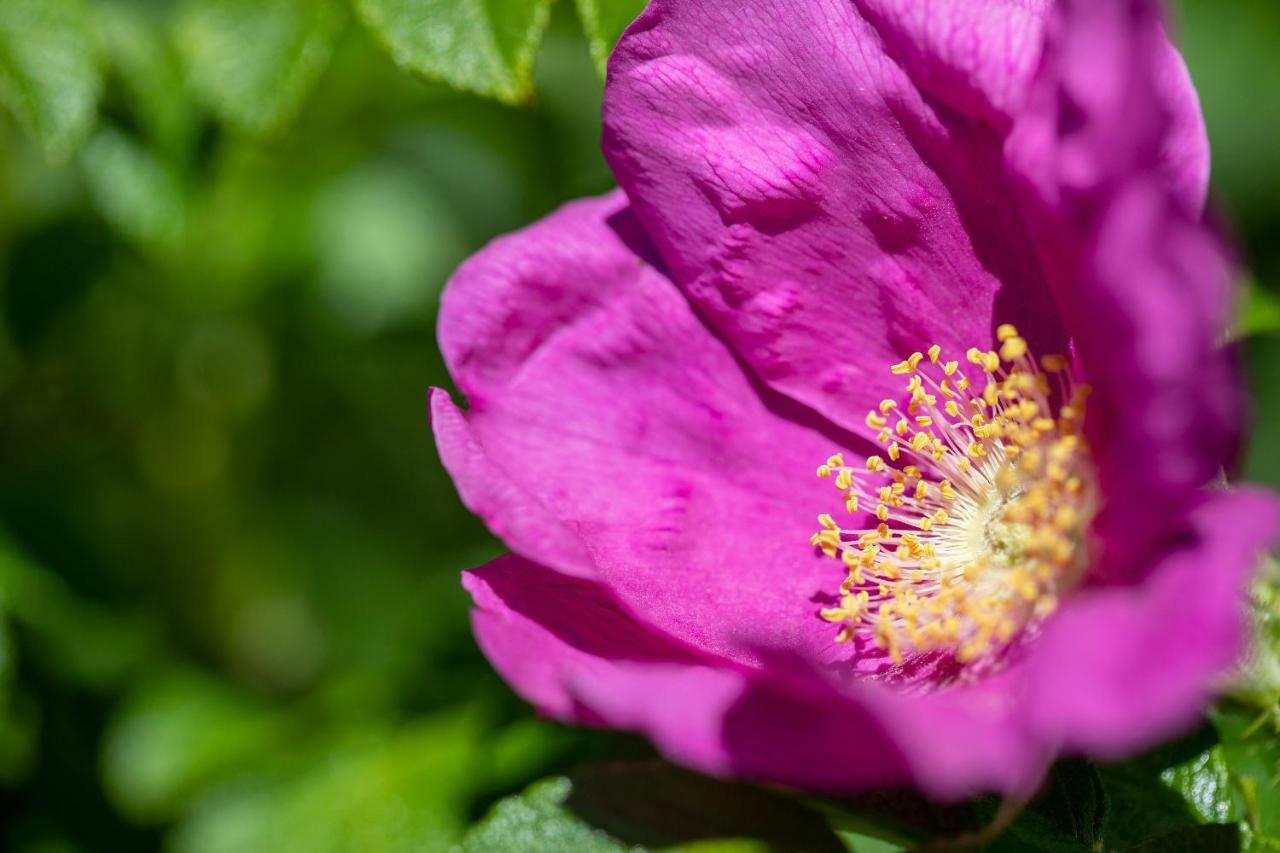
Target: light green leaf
[375,791]
[384,245]
[81,641]
[133,191]
[1258,681]
[537,821]
[603,22]
[255,61]
[141,58]
[1251,750]
[1259,311]
[481,46]
[1205,784]
[176,733]
[49,74]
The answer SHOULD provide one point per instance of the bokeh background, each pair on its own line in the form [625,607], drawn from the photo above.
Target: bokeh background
[230,616]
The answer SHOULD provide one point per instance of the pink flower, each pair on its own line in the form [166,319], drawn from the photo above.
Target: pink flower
[909,243]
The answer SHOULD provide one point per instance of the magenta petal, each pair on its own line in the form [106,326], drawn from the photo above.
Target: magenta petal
[602,409]
[540,629]
[1185,150]
[824,213]
[977,56]
[1119,669]
[568,647]
[824,188]
[514,514]
[1143,285]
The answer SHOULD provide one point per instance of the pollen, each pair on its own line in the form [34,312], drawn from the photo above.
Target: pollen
[978,519]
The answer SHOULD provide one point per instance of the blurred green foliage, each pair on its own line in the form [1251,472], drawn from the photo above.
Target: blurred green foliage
[230,616]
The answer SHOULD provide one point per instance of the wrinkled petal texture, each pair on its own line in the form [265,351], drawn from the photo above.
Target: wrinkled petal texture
[1107,675]
[810,190]
[599,399]
[1143,285]
[822,210]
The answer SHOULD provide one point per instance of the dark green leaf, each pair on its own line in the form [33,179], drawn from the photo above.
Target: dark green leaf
[18,715]
[656,804]
[648,805]
[603,21]
[83,642]
[1178,785]
[903,817]
[1262,464]
[49,74]
[481,46]
[1070,816]
[1210,838]
[255,61]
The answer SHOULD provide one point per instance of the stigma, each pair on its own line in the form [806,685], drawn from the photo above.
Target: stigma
[975,513]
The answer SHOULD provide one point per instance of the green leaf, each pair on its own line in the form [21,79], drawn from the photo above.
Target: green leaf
[136,193]
[537,821]
[1177,786]
[384,245]
[1259,310]
[176,733]
[603,22]
[856,842]
[1070,816]
[81,641]
[1251,750]
[656,804]
[255,61]
[1258,682]
[1210,838]
[1205,785]
[481,46]
[49,74]
[376,790]
[150,77]
[19,719]
[1262,463]
[648,805]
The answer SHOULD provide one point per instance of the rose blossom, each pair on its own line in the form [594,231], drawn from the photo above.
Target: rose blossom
[952,254]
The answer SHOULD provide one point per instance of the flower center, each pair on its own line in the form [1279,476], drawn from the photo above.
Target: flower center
[981,503]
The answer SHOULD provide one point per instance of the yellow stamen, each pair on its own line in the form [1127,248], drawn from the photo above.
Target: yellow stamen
[1011,467]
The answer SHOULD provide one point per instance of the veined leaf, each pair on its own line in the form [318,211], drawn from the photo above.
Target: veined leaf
[481,46]
[537,821]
